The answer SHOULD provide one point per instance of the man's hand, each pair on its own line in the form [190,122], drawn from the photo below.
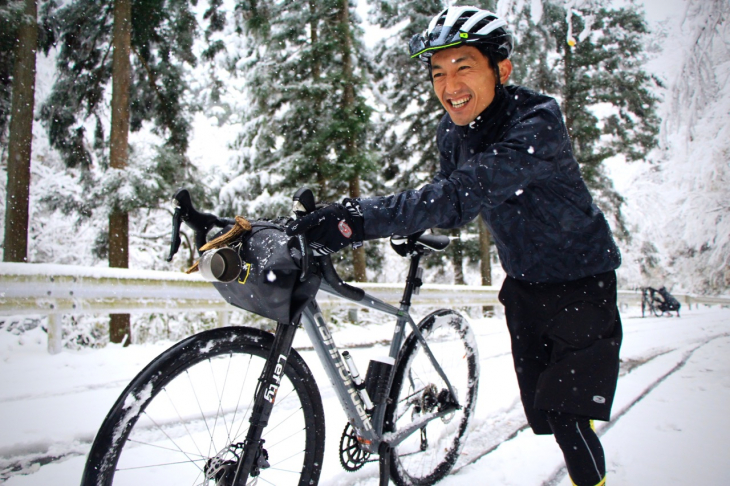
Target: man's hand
[331,228]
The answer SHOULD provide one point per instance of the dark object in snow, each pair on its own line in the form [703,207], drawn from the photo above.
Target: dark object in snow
[658,302]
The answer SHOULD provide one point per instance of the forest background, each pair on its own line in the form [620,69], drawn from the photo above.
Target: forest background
[107,107]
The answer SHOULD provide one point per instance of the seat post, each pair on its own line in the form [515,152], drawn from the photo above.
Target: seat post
[413,281]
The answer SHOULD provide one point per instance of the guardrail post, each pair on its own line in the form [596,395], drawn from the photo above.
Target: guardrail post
[55,342]
[223,318]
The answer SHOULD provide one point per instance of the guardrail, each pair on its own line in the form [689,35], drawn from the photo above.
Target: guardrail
[54,290]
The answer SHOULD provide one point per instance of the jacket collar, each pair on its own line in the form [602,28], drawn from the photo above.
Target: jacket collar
[489,118]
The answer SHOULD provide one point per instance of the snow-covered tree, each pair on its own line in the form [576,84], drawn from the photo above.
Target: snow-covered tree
[77,111]
[140,47]
[680,201]
[591,57]
[308,120]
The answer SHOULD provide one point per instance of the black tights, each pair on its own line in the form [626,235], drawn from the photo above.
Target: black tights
[581,448]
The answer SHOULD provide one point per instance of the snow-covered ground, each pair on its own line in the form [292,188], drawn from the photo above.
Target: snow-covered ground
[670,425]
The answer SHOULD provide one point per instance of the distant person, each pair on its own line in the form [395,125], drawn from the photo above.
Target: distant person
[505,154]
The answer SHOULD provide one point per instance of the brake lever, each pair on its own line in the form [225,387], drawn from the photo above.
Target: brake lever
[175,239]
[303,204]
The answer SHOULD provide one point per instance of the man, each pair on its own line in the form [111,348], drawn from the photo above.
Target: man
[506,156]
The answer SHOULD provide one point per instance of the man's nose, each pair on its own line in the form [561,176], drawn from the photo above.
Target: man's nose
[453,85]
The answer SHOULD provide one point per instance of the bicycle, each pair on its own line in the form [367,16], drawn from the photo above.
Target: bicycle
[658,302]
[236,406]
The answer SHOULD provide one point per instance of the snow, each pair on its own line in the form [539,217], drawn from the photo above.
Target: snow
[670,418]
[670,426]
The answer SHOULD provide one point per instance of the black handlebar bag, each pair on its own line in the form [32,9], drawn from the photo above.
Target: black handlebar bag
[269,283]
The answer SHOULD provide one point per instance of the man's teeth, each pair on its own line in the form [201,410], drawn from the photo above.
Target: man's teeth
[460,103]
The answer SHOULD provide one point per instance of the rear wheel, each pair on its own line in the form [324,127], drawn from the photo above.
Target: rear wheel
[428,455]
[656,309]
[184,418]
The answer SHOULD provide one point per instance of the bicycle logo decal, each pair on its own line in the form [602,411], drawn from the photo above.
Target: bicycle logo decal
[344,229]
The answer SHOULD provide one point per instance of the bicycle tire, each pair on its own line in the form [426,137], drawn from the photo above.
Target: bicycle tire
[452,342]
[146,440]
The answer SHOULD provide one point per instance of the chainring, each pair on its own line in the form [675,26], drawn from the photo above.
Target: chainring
[352,457]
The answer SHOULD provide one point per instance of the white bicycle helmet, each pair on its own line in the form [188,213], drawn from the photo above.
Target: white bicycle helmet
[457,26]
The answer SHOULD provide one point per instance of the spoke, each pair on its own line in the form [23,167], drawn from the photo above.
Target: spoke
[283,399]
[183,422]
[286,459]
[188,454]
[262,479]
[159,465]
[249,408]
[240,432]
[269,430]
[171,439]
[195,481]
[240,393]
[219,393]
[283,470]
[270,447]
[202,415]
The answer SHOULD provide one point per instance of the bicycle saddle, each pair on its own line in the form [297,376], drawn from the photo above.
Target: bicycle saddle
[405,245]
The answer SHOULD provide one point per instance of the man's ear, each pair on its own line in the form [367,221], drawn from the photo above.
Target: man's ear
[505,70]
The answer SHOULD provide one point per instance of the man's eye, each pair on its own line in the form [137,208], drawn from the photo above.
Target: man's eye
[437,75]
[461,68]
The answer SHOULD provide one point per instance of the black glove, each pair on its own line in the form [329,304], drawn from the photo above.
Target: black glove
[331,228]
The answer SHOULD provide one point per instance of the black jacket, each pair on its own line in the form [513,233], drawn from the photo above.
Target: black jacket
[513,165]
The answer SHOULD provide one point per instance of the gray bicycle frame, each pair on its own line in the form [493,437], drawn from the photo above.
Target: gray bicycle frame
[370,430]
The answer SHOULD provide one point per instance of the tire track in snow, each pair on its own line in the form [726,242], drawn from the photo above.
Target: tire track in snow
[79,389]
[561,472]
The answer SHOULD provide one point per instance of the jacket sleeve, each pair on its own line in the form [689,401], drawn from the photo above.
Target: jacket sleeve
[527,153]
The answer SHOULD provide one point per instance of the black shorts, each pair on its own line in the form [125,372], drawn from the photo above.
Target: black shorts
[565,344]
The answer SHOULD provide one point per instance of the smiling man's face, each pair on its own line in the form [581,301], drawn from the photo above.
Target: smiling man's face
[464,81]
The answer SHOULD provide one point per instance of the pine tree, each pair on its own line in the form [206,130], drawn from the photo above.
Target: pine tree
[78,120]
[591,57]
[309,121]
[140,47]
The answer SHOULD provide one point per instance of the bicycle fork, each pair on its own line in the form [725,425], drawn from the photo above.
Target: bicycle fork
[253,459]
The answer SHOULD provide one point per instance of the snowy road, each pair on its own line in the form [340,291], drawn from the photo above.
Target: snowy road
[670,425]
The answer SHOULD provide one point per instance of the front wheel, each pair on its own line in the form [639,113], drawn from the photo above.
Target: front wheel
[184,418]
[428,455]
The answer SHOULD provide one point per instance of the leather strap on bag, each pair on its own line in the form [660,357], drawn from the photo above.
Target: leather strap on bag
[242,225]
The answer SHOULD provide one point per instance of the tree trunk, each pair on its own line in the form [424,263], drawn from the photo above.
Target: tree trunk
[21,138]
[358,255]
[485,267]
[485,247]
[457,256]
[322,182]
[119,326]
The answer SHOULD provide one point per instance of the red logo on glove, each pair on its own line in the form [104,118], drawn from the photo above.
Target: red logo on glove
[344,229]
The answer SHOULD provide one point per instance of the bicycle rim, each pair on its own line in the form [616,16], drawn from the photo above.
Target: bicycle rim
[427,456]
[184,418]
